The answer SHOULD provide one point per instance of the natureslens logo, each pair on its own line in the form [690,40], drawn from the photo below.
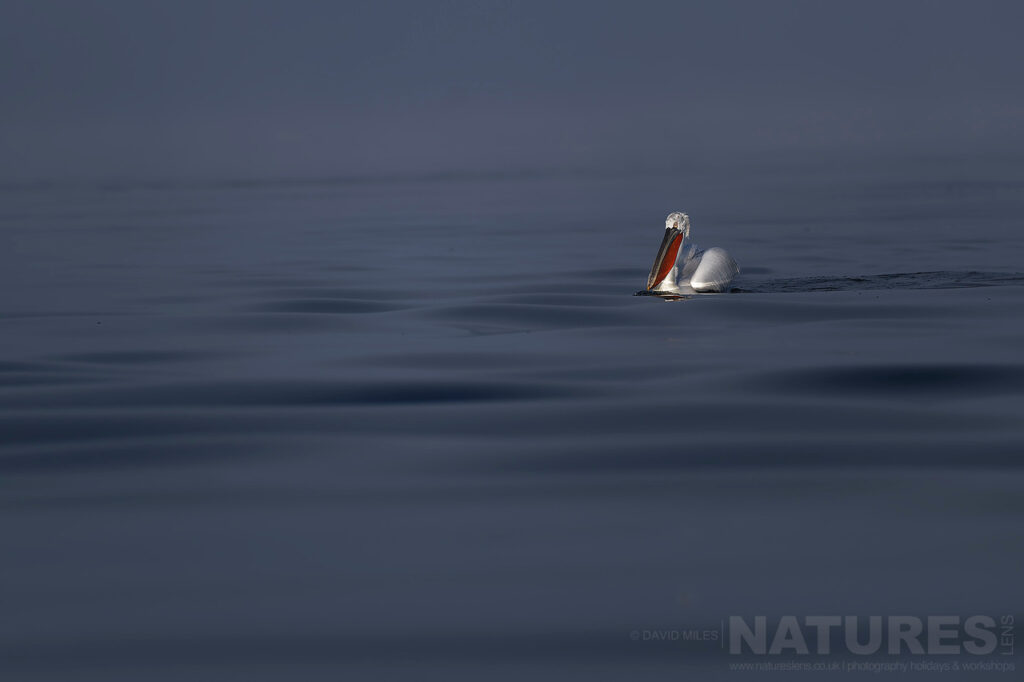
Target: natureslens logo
[977,635]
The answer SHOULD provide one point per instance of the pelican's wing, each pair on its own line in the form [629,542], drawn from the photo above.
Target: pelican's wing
[715,271]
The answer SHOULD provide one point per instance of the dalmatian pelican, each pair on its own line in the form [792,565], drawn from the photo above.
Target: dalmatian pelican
[683,267]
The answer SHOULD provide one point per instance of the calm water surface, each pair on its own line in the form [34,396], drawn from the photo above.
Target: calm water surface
[407,428]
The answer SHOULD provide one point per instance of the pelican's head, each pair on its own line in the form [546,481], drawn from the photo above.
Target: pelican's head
[679,221]
[677,231]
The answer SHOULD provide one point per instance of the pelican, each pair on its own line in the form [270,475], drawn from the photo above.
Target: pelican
[681,266]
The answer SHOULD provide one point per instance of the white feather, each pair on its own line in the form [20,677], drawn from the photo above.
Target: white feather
[714,272]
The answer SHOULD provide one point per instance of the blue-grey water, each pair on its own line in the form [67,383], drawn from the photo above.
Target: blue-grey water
[419,427]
